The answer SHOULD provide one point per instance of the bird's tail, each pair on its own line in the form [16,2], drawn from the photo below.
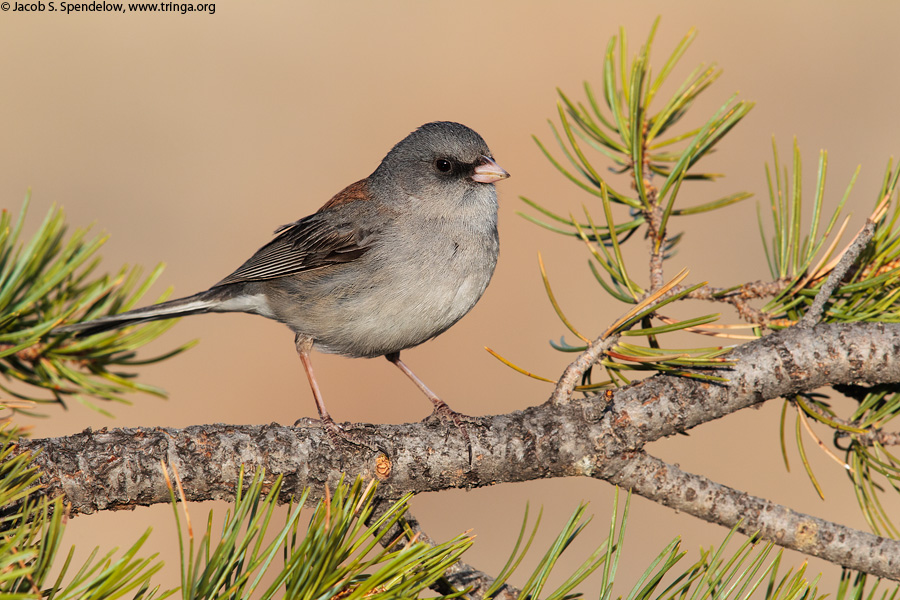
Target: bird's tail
[191,305]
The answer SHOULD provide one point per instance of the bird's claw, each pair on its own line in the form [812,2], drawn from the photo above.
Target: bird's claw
[443,413]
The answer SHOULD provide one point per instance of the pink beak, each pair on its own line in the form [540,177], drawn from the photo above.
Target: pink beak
[488,171]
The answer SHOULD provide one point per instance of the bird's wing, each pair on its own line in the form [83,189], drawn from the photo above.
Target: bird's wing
[313,242]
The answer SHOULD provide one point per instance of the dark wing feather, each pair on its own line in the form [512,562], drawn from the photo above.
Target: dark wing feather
[313,242]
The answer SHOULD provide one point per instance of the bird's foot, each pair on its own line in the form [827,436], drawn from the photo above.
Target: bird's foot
[443,413]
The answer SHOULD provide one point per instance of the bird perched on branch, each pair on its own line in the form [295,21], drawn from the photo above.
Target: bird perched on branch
[389,262]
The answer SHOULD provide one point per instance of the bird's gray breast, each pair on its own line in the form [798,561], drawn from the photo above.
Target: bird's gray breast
[418,277]
[446,270]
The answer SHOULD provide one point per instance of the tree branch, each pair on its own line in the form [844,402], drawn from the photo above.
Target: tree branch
[717,503]
[591,436]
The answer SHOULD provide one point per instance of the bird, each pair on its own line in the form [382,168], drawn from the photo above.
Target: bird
[388,263]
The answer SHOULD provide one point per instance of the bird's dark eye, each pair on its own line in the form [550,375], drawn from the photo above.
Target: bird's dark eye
[443,165]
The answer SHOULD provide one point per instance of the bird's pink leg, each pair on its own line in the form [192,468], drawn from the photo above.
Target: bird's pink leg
[441,408]
[335,433]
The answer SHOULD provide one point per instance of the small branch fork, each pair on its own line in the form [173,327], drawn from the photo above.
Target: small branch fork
[576,370]
[740,296]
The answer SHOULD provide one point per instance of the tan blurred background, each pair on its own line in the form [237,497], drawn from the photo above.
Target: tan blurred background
[189,138]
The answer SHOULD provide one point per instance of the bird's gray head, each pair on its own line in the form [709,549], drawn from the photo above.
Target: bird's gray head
[438,159]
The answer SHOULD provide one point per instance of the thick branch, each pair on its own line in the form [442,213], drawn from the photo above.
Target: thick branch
[584,436]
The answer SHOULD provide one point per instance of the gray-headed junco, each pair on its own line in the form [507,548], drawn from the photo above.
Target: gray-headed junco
[391,261]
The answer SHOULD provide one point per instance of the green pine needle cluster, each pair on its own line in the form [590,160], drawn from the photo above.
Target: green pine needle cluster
[51,278]
[337,556]
[869,292]
[621,125]
[31,532]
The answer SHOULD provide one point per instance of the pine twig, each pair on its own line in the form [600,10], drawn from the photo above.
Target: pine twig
[570,377]
[848,257]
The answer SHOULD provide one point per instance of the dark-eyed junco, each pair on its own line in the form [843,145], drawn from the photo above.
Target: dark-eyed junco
[391,261]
